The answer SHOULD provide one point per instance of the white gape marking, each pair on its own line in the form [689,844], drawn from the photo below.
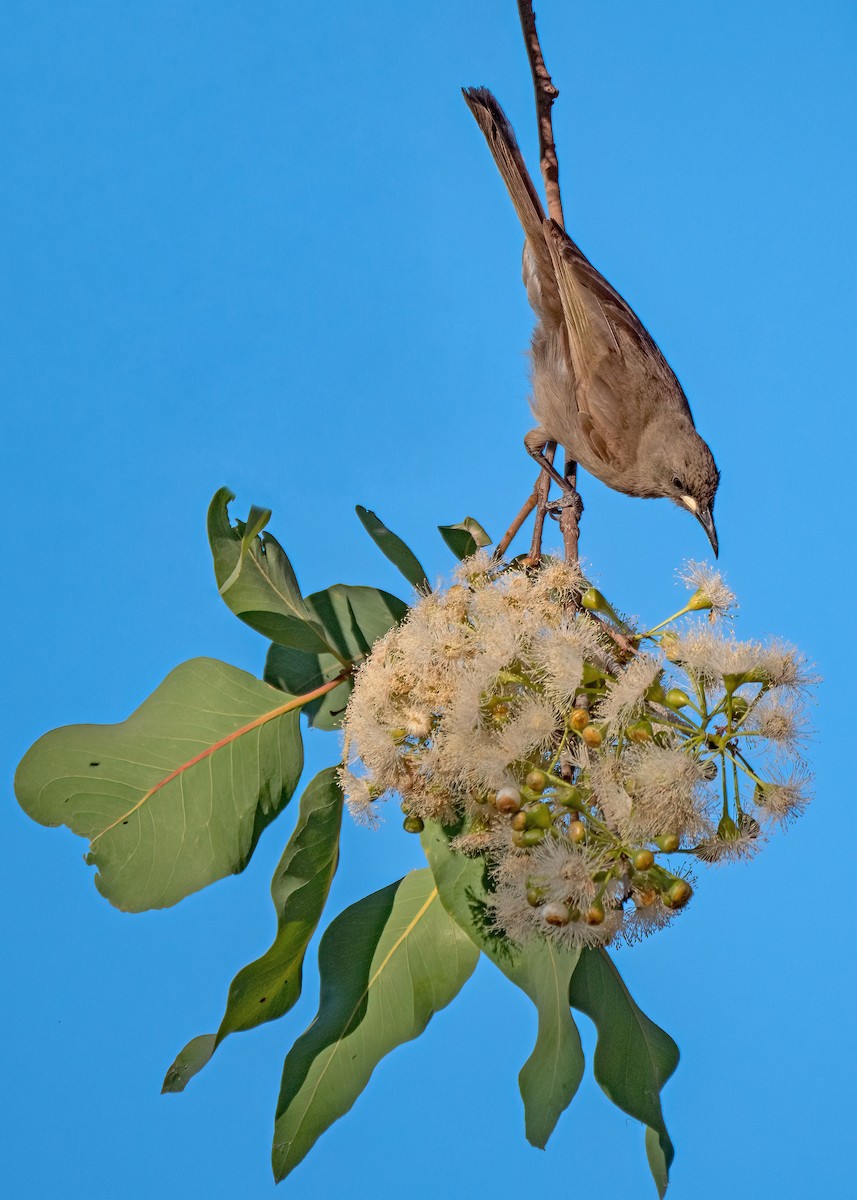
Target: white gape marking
[689,502]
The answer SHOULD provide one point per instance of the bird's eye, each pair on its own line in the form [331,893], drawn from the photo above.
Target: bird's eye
[677,483]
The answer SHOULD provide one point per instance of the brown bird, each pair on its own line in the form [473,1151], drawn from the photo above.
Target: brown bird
[601,387]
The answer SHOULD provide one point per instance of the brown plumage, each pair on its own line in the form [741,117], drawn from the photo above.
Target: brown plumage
[601,387]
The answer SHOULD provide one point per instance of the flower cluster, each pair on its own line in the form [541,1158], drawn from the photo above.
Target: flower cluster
[579,755]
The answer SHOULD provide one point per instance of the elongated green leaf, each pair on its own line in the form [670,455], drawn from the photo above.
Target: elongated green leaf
[256,579]
[465,538]
[634,1058]
[270,986]
[176,796]
[387,964]
[552,1074]
[353,618]
[393,547]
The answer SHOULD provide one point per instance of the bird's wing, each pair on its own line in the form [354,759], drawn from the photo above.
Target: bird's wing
[612,314]
[595,351]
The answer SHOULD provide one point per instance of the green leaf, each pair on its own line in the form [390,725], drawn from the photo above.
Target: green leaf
[353,619]
[177,795]
[387,964]
[465,538]
[552,1074]
[270,986]
[256,579]
[633,1057]
[394,548]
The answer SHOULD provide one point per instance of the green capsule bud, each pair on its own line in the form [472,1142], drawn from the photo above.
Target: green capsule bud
[640,732]
[536,781]
[642,860]
[656,693]
[679,894]
[526,838]
[676,698]
[668,842]
[571,796]
[413,824]
[519,820]
[539,817]
[577,832]
[593,600]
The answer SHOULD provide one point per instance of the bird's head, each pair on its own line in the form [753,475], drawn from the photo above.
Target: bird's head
[685,472]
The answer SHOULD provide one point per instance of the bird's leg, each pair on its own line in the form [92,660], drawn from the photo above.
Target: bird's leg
[536,443]
[541,493]
[571,512]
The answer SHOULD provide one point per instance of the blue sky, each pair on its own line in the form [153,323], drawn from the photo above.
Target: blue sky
[263,245]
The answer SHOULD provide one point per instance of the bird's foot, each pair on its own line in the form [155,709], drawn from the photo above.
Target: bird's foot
[568,500]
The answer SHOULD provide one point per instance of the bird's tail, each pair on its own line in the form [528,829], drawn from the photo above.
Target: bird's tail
[510,162]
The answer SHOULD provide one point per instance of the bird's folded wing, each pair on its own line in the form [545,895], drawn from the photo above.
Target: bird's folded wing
[595,350]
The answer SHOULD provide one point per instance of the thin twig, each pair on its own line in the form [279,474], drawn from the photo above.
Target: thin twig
[541,493]
[546,93]
[526,508]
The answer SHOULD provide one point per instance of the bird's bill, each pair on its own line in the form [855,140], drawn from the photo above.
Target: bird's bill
[703,515]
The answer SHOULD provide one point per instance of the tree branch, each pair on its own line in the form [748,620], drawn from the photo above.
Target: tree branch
[546,93]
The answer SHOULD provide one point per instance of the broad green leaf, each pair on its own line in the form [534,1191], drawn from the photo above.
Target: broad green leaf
[353,618]
[465,538]
[633,1057]
[552,1074]
[270,986]
[177,795]
[394,548]
[387,964]
[256,579]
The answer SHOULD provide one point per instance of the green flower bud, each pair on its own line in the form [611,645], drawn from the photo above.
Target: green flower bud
[679,894]
[668,842]
[535,896]
[413,824]
[594,915]
[593,600]
[536,781]
[579,719]
[525,838]
[592,736]
[639,732]
[577,832]
[676,698]
[539,817]
[519,820]
[571,796]
[643,859]
[656,693]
